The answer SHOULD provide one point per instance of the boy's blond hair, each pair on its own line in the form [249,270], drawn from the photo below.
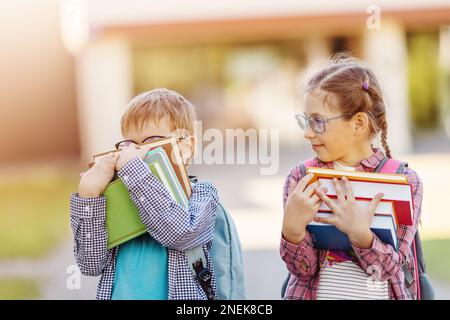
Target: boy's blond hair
[154,105]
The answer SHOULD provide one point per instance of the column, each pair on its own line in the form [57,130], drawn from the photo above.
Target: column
[104,87]
[386,52]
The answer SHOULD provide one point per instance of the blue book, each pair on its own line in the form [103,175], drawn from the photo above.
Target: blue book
[328,237]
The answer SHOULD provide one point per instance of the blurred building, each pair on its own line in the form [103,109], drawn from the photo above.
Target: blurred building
[241,62]
[38,107]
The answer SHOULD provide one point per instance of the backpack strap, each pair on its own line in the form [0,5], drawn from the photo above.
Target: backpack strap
[197,263]
[396,166]
[391,166]
[306,164]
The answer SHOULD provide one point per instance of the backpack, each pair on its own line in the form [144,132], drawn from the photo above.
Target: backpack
[227,261]
[424,288]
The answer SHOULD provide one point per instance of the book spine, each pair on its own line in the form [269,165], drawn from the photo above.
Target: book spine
[172,178]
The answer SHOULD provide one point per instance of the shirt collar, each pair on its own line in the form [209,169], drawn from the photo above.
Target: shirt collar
[374,160]
[370,162]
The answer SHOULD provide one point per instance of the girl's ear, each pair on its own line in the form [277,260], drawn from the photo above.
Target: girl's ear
[360,123]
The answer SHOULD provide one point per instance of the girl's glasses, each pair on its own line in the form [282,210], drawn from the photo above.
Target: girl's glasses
[316,123]
[126,143]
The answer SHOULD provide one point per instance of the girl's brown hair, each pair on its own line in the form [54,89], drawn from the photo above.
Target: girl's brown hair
[353,88]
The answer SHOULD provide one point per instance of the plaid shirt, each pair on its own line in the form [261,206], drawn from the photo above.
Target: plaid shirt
[303,261]
[173,226]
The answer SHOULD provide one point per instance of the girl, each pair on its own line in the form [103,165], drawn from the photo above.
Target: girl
[344,111]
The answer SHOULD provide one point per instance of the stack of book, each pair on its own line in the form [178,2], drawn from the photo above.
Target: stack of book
[122,217]
[395,208]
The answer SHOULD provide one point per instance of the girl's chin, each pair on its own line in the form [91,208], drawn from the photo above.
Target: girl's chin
[323,156]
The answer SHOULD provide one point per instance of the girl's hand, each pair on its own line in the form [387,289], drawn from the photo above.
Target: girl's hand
[129,152]
[94,181]
[301,206]
[348,216]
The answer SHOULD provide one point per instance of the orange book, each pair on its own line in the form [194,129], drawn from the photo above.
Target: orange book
[357,175]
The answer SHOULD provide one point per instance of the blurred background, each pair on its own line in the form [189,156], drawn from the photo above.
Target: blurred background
[69,67]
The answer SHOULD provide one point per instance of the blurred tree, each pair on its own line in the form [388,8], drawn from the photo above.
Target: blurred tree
[424,76]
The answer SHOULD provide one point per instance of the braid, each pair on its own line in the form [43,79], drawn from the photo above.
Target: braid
[383,128]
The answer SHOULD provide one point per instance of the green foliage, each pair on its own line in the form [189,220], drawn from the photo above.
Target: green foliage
[19,289]
[424,73]
[437,258]
[34,213]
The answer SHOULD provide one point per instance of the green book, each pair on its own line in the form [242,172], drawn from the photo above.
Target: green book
[122,217]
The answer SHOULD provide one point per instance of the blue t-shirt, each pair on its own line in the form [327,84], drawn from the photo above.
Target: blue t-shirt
[141,270]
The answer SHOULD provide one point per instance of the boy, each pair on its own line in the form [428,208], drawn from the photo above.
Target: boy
[154,265]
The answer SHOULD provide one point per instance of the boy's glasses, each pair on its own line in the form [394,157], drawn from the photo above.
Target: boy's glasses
[125,143]
[316,123]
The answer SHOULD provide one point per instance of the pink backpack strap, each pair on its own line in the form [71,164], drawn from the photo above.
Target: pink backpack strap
[396,166]
[306,164]
[391,166]
[309,163]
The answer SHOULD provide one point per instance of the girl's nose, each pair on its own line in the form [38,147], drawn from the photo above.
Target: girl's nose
[309,133]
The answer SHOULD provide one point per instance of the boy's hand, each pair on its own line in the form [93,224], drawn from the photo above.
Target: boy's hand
[94,181]
[129,152]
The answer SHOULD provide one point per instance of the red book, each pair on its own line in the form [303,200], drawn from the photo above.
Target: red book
[384,208]
[366,185]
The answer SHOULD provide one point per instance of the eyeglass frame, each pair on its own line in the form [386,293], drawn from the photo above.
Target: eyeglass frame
[157,137]
[324,121]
